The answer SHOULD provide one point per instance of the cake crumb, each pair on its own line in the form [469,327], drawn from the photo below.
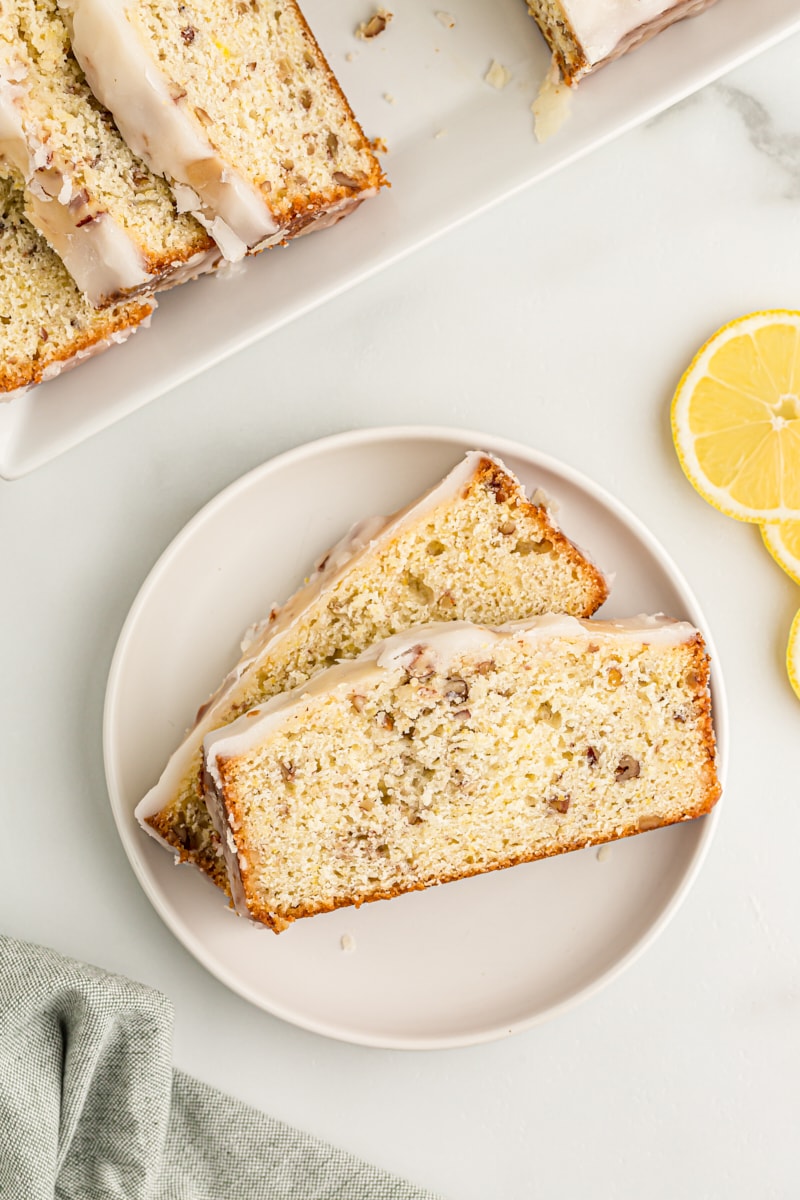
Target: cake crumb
[375,25]
[497,76]
[379,146]
[440,133]
[551,107]
[446,19]
[351,56]
[348,943]
[604,852]
[389,98]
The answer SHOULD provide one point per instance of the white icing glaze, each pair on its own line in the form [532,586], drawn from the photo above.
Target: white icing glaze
[600,25]
[362,534]
[361,540]
[13,147]
[16,393]
[229,270]
[101,258]
[444,642]
[127,79]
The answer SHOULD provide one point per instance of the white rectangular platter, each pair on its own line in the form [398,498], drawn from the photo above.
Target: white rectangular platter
[456,147]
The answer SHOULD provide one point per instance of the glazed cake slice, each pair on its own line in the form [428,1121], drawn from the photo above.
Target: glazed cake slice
[112,221]
[236,105]
[46,325]
[474,548]
[585,34]
[467,749]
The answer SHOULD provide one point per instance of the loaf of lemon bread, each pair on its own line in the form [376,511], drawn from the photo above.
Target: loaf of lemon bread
[452,750]
[473,548]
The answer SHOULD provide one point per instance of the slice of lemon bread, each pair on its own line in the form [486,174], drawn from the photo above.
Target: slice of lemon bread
[467,749]
[113,222]
[46,324]
[473,548]
[235,104]
[585,34]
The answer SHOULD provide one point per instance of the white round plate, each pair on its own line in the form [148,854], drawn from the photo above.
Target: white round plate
[464,963]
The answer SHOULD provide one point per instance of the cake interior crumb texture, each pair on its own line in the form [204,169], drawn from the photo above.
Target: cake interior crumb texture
[258,86]
[484,554]
[44,320]
[433,769]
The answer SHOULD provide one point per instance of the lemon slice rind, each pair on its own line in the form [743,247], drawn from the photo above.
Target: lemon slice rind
[773,537]
[684,440]
[793,655]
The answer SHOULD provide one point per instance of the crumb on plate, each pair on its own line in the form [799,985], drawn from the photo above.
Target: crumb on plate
[375,25]
[552,104]
[497,76]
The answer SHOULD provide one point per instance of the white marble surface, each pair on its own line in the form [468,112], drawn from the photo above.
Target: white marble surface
[562,319]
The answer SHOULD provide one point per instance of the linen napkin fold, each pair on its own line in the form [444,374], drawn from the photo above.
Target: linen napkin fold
[91,1109]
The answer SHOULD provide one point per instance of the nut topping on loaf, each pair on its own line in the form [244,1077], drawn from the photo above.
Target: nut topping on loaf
[452,750]
[474,548]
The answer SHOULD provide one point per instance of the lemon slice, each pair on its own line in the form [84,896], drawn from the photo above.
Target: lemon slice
[783,542]
[793,655]
[736,418]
